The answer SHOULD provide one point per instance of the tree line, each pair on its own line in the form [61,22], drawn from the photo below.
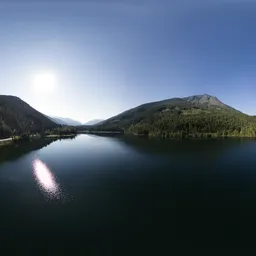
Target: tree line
[215,124]
[187,123]
[7,132]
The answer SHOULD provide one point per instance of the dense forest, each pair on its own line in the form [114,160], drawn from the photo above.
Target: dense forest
[197,116]
[189,124]
[17,117]
[63,130]
[60,131]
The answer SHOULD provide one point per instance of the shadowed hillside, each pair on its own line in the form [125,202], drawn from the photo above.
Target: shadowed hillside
[17,116]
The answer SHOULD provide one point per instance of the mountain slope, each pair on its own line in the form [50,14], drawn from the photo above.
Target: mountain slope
[15,114]
[94,122]
[65,121]
[190,115]
[209,102]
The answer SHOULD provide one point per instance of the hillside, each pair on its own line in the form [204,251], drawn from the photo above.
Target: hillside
[191,116]
[15,114]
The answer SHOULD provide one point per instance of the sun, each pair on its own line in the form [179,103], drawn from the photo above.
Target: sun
[44,83]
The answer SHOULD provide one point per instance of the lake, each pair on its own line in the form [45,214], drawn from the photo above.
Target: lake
[103,195]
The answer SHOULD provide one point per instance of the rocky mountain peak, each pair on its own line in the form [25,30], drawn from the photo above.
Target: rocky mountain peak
[205,99]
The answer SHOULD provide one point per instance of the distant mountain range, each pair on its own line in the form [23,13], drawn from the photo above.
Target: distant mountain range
[94,122]
[65,121]
[72,122]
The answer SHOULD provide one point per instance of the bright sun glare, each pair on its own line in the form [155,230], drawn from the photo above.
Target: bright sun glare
[44,83]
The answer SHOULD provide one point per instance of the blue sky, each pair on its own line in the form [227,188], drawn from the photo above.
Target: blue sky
[109,56]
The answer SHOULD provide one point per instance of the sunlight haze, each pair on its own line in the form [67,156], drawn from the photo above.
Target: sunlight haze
[45,83]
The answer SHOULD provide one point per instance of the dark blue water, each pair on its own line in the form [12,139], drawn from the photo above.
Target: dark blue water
[100,195]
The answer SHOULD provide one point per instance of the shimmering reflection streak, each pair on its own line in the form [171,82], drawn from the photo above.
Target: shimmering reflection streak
[46,179]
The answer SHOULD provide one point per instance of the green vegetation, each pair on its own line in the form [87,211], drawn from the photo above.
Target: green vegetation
[60,132]
[17,117]
[6,142]
[64,131]
[5,130]
[19,121]
[196,117]
[189,123]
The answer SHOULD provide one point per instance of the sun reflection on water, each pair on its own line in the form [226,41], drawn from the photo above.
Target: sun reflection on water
[46,180]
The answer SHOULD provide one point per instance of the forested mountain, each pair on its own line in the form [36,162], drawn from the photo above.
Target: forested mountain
[199,115]
[16,116]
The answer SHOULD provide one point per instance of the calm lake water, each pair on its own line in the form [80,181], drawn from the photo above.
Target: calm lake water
[103,195]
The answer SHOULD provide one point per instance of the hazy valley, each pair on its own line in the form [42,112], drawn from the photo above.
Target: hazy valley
[194,116]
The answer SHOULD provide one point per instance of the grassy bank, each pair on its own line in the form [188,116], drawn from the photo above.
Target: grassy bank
[6,142]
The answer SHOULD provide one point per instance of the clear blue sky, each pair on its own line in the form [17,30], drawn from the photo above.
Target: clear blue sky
[109,56]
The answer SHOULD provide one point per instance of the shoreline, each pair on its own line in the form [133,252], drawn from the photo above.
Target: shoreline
[5,142]
[10,141]
[60,136]
[100,132]
[174,137]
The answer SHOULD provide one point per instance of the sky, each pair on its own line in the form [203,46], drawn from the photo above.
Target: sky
[109,56]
